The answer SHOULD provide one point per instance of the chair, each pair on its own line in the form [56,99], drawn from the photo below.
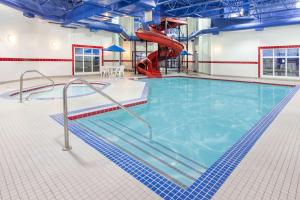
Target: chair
[110,71]
[115,71]
[120,71]
[102,71]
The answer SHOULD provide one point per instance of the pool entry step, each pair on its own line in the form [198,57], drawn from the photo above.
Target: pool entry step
[169,163]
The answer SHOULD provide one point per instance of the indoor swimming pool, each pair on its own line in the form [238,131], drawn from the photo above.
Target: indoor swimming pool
[195,121]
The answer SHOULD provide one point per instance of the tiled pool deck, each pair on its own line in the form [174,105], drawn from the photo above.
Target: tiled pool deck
[32,165]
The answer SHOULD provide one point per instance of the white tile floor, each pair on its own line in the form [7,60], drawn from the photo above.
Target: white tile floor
[33,166]
[271,170]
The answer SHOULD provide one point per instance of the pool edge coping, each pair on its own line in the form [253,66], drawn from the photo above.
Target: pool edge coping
[13,93]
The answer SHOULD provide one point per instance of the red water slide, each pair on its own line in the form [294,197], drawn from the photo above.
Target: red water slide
[168,47]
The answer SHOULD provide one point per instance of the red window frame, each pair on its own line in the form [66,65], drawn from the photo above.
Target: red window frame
[85,46]
[272,47]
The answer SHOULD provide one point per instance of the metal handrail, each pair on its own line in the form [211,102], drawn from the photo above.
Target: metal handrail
[21,84]
[67,146]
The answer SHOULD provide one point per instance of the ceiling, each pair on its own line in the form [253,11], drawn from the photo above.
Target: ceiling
[86,13]
[258,9]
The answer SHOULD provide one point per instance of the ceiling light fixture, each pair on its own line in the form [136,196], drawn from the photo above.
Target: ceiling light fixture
[298,4]
[55,44]
[242,12]
[12,39]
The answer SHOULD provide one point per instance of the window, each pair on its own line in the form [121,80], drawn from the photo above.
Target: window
[137,23]
[88,64]
[279,52]
[293,52]
[280,62]
[268,66]
[293,62]
[293,67]
[79,63]
[87,59]
[279,66]
[268,52]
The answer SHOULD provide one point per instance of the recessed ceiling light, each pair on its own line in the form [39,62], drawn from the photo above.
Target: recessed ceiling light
[298,4]
[55,44]
[12,39]
[242,12]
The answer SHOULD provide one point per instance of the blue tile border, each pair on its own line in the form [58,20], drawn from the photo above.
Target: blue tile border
[213,178]
[152,179]
[207,184]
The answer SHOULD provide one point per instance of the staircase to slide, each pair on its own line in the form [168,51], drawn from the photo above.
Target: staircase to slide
[167,47]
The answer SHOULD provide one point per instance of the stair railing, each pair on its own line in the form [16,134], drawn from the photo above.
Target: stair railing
[22,80]
[67,146]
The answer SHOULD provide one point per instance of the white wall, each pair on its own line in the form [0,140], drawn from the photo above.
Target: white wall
[243,46]
[21,37]
[128,24]
[204,47]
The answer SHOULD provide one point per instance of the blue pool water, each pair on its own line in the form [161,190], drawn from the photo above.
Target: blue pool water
[194,123]
[73,91]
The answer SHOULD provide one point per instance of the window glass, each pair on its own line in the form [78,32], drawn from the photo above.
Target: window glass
[293,52]
[78,51]
[88,51]
[96,63]
[279,66]
[279,52]
[78,63]
[87,59]
[96,51]
[281,62]
[268,66]
[267,52]
[87,63]
[137,23]
[293,67]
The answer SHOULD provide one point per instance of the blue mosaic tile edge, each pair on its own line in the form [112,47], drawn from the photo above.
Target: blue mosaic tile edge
[207,184]
[213,178]
[150,178]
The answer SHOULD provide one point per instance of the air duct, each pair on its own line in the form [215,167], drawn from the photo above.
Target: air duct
[114,28]
[257,25]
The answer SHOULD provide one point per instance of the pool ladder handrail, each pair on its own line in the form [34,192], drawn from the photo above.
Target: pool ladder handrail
[22,80]
[67,146]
